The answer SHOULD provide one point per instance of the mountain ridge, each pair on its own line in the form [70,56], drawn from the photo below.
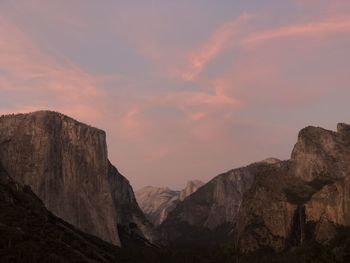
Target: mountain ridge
[271,205]
[278,205]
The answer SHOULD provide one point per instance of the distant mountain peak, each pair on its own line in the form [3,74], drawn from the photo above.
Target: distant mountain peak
[158,202]
[191,187]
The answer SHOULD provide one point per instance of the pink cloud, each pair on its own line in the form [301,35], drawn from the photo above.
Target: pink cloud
[218,41]
[132,125]
[157,154]
[28,70]
[316,29]
[197,116]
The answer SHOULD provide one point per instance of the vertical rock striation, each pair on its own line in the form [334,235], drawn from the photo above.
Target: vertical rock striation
[65,163]
[213,208]
[30,233]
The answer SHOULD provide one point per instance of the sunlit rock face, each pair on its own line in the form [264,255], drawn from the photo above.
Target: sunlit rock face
[277,204]
[65,163]
[328,156]
[307,197]
[320,153]
[158,202]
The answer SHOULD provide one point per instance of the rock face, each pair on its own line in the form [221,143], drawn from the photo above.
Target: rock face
[274,204]
[213,208]
[191,187]
[30,233]
[65,163]
[133,226]
[157,202]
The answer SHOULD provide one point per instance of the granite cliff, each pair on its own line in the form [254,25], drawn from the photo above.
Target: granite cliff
[210,213]
[273,204]
[30,233]
[66,165]
[158,202]
[191,187]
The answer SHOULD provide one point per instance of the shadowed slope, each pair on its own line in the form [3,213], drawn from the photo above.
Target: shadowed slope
[30,233]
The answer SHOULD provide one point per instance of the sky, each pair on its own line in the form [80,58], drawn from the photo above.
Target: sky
[185,89]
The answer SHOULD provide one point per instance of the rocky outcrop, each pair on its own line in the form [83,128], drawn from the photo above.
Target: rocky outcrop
[212,208]
[65,163]
[316,180]
[30,233]
[191,187]
[158,202]
[320,153]
[265,216]
[322,159]
[275,204]
[306,198]
[133,226]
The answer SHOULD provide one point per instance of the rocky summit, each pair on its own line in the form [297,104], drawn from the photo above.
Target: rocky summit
[66,165]
[158,202]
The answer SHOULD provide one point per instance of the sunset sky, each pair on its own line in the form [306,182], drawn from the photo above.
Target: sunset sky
[184,89]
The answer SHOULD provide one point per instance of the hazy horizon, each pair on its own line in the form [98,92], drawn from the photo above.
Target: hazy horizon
[184,90]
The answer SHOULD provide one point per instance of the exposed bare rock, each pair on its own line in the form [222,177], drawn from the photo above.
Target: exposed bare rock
[30,233]
[320,153]
[133,225]
[214,205]
[266,215]
[191,187]
[316,179]
[65,163]
[274,204]
[158,202]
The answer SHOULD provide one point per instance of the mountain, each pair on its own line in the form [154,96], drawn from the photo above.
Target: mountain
[191,187]
[157,202]
[30,233]
[272,204]
[299,208]
[210,213]
[66,165]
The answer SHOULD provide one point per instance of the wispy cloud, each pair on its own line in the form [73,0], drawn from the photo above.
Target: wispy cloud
[42,80]
[314,29]
[217,42]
